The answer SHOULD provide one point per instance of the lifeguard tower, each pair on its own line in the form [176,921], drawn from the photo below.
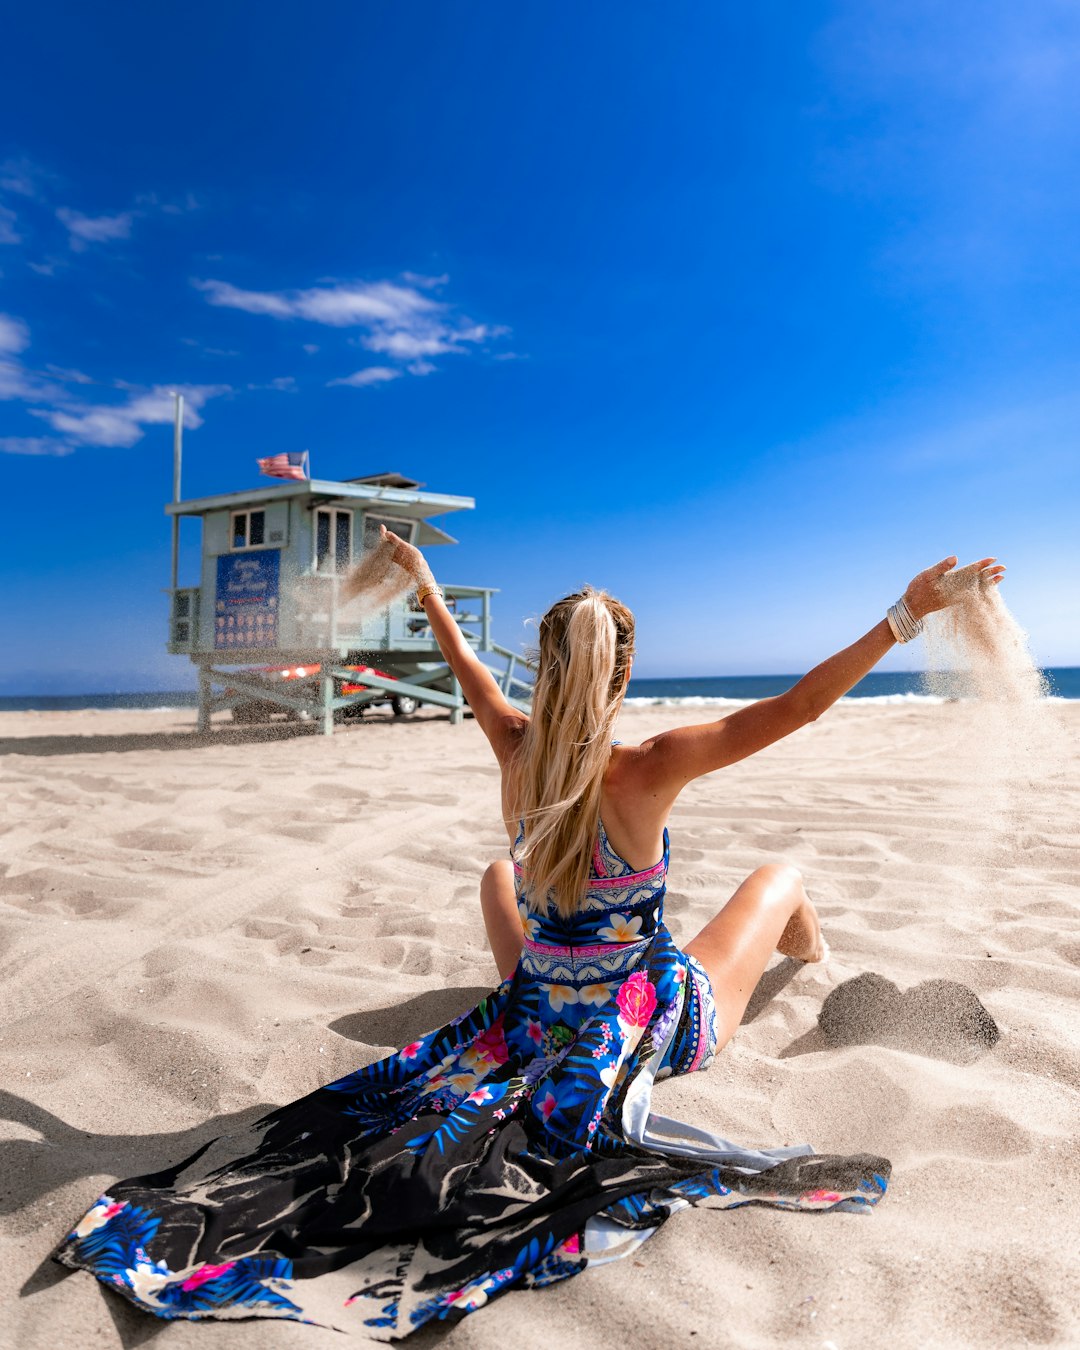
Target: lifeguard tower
[264,626]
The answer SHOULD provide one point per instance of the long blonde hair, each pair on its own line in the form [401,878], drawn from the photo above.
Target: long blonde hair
[586,642]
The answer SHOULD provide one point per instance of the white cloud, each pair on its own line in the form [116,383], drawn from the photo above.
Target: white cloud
[311,348]
[369,375]
[8,232]
[23,177]
[338,306]
[285,384]
[418,279]
[33,445]
[408,346]
[86,423]
[68,376]
[14,334]
[124,424]
[83,230]
[402,322]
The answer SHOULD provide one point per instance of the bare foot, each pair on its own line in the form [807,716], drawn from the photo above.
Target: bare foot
[802,939]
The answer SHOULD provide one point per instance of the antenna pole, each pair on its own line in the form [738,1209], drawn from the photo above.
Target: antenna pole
[178,440]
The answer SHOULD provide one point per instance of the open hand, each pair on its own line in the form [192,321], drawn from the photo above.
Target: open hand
[945,583]
[407,557]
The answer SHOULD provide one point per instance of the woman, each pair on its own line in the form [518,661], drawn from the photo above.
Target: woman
[517,1145]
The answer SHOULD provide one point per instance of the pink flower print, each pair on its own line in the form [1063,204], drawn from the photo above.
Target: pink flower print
[410,1051]
[572,1245]
[479,1095]
[636,1000]
[534,1031]
[546,1105]
[822,1197]
[205,1273]
[492,1044]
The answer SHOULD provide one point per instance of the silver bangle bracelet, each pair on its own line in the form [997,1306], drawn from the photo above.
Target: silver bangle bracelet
[903,624]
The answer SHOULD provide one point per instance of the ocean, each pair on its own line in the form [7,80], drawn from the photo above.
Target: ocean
[877,687]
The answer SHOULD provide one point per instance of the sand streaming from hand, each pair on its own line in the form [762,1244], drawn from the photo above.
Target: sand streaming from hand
[376,582]
[1005,731]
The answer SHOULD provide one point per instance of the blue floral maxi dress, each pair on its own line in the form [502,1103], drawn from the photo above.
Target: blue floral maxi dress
[509,1149]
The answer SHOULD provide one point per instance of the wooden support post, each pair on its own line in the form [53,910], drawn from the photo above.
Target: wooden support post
[202,722]
[457,714]
[326,704]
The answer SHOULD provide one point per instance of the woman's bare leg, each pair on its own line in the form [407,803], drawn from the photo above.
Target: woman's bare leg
[769,912]
[501,919]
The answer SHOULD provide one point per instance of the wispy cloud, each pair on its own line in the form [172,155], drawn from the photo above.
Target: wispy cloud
[369,375]
[83,230]
[78,419]
[402,321]
[125,423]
[34,445]
[428,283]
[340,306]
[14,334]
[284,384]
[8,232]
[23,177]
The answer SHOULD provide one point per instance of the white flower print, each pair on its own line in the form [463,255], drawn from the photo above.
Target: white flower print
[621,929]
[594,993]
[560,994]
[530,924]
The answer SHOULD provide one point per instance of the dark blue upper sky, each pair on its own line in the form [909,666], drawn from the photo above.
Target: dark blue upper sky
[745,312]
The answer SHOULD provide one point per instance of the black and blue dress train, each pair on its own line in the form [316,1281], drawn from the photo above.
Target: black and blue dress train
[509,1149]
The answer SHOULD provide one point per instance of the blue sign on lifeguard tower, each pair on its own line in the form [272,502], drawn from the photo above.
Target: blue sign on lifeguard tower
[246,608]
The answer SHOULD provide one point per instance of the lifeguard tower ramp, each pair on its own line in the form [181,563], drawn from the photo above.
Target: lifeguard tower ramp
[265,627]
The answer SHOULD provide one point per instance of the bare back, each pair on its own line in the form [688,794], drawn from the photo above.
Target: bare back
[633,807]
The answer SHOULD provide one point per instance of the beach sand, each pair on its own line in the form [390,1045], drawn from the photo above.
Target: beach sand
[194,929]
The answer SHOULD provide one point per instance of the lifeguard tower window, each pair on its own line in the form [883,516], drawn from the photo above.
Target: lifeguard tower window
[333,540]
[404,529]
[248,529]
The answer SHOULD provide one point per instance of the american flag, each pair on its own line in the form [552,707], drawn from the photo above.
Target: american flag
[294,465]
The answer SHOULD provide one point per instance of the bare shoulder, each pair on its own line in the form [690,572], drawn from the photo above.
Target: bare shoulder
[634,771]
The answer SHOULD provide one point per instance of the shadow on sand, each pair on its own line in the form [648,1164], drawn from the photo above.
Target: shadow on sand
[74,743]
[938,1018]
[399,1023]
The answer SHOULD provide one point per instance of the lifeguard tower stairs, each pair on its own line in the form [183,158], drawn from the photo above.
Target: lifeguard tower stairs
[264,626]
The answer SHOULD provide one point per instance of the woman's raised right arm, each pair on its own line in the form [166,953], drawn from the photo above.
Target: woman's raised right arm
[669,761]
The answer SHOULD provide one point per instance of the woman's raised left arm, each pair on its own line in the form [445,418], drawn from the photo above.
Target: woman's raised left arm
[499,720]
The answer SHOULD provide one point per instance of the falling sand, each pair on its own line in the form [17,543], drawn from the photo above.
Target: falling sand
[1003,729]
[375,583]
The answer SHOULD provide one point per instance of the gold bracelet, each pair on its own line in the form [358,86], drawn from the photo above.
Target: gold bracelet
[422,592]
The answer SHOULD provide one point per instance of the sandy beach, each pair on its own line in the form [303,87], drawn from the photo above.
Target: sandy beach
[194,929]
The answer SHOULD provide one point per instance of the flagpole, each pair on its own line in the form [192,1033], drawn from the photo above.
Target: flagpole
[178,439]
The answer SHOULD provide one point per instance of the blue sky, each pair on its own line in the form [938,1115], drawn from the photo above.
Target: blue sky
[745,312]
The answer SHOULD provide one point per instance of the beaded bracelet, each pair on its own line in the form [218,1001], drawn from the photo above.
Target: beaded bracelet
[430,588]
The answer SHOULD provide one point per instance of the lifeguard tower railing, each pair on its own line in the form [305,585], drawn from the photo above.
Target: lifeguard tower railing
[338,647]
